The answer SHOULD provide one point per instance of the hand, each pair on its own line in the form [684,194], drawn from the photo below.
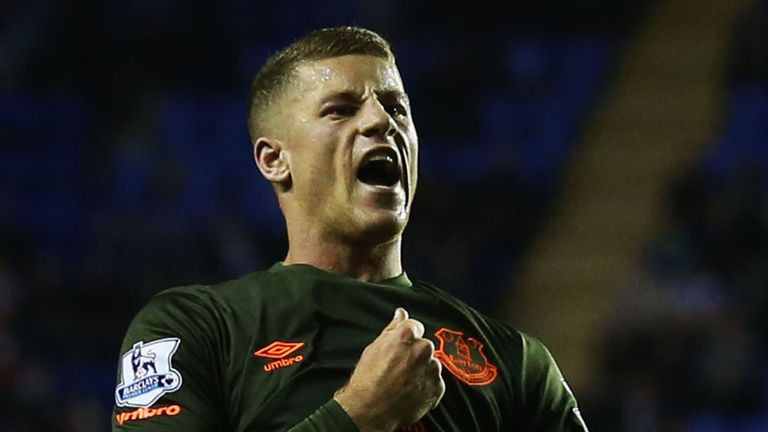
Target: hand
[397,380]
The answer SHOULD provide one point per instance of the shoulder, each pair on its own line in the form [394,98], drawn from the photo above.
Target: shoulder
[194,311]
[544,400]
[500,331]
[206,299]
[183,314]
[182,299]
[518,350]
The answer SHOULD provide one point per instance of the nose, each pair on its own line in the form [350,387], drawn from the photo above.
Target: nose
[376,121]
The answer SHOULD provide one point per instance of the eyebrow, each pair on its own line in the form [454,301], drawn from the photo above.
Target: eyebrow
[354,97]
[344,96]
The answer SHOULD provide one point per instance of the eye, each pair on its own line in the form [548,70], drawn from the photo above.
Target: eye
[340,111]
[397,110]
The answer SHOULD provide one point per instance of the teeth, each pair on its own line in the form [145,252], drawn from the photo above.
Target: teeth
[379,168]
[381,157]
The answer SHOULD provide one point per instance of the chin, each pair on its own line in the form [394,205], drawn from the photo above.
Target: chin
[379,227]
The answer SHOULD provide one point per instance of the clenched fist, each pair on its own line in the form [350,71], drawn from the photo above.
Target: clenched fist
[397,380]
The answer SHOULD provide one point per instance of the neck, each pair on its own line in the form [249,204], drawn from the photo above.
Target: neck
[369,263]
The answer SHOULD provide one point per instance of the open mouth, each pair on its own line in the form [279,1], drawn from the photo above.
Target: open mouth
[380,168]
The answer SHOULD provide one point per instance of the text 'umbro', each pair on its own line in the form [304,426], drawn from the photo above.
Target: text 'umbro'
[145,413]
[269,367]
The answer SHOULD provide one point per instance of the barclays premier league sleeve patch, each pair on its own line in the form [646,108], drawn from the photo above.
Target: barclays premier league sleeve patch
[146,373]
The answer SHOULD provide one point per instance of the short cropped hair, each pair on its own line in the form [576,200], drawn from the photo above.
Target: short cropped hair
[316,45]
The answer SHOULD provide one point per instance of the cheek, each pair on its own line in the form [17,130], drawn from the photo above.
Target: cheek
[414,163]
[414,151]
[333,152]
[324,164]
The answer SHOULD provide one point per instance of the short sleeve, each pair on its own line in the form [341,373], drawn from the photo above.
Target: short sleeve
[549,402]
[169,374]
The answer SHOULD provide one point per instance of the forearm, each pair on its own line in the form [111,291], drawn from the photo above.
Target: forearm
[328,418]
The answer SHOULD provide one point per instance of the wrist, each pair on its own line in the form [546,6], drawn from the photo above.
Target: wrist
[361,413]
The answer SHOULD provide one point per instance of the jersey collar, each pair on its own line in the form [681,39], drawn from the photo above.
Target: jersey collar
[400,281]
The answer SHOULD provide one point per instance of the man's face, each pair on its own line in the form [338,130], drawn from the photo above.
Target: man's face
[352,147]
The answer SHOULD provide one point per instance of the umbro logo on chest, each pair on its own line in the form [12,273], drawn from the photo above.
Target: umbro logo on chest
[280,355]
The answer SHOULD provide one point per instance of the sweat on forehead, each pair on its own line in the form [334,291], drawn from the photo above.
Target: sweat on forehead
[319,44]
[355,77]
[349,74]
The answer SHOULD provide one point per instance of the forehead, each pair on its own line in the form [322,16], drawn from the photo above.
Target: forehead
[357,73]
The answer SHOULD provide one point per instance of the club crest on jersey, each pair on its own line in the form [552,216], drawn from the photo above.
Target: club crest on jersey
[146,373]
[464,358]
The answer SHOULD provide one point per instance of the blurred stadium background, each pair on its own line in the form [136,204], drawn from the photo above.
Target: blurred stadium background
[593,172]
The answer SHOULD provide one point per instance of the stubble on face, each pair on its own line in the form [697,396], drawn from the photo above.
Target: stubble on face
[324,148]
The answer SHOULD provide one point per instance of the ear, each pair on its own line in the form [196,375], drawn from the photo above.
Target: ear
[273,161]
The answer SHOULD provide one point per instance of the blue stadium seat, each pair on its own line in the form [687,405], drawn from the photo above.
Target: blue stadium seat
[745,136]
[210,136]
[41,169]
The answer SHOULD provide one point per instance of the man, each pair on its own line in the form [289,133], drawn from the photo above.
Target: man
[312,344]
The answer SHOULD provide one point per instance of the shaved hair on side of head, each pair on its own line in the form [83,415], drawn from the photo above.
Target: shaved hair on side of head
[271,80]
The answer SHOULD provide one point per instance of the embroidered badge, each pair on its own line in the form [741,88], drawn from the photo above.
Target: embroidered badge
[464,358]
[146,373]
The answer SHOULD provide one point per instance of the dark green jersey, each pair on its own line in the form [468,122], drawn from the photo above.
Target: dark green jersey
[266,353]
